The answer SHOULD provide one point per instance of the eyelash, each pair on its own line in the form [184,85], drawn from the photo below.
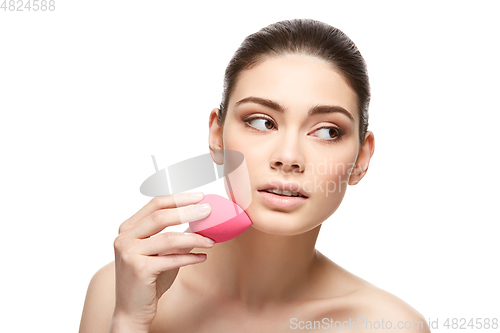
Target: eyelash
[339,131]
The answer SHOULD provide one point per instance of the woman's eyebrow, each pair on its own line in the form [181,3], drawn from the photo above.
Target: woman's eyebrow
[318,109]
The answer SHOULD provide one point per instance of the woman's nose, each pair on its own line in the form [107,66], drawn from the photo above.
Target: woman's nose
[287,167]
[288,158]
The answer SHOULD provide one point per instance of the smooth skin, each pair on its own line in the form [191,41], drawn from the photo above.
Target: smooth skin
[270,278]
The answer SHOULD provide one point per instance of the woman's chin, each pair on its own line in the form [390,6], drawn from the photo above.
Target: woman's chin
[284,226]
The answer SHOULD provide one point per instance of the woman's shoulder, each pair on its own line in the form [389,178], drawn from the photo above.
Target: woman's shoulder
[359,304]
[99,301]
[378,309]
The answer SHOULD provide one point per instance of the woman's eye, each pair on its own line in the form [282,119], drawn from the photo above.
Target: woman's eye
[329,133]
[260,123]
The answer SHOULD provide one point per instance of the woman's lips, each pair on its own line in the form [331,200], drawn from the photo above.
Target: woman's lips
[280,201]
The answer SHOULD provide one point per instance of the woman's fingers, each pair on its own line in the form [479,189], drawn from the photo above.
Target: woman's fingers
[147,263]
[166,263]
[173,242]
[157,203]
[163,218]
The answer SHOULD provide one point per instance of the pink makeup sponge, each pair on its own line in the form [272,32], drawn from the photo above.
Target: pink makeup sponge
[226,220]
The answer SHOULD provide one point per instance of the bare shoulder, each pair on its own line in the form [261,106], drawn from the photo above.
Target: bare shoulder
[363,307]
[378,309]
[99,301]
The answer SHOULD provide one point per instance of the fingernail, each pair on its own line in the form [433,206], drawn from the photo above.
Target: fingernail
[209,240]
[202,208]
[196,195]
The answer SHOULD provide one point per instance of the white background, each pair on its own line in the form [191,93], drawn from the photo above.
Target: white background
[89,91]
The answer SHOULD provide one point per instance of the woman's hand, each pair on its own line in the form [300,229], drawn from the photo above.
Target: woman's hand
[146,263]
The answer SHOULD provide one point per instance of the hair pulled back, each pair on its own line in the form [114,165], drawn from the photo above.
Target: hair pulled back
[307,37]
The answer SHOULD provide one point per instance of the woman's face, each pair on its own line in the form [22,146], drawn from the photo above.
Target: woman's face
[294,119]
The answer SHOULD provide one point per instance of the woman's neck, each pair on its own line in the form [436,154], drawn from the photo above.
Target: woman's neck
[257,269]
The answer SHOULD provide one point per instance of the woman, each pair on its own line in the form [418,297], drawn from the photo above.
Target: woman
[296,97]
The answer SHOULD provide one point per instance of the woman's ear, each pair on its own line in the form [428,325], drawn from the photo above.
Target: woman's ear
[363,161]
[215,138]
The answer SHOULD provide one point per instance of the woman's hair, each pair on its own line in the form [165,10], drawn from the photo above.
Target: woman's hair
[307,37]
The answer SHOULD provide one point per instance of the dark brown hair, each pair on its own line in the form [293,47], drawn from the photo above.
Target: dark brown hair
[308,37]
